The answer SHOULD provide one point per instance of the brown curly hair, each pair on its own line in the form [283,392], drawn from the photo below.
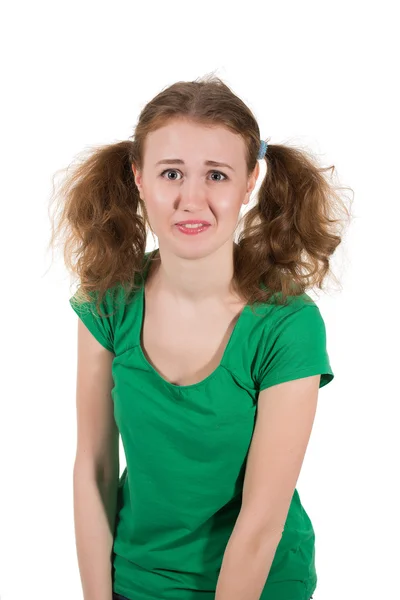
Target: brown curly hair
[286,238]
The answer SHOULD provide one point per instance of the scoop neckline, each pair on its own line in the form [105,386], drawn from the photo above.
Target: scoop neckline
[170,385]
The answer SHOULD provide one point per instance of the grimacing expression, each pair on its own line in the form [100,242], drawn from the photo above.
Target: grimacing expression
[175,191]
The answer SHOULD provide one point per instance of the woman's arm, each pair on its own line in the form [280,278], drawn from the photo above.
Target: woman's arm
[96,468]
[285,417]
[94,516]
[246,564]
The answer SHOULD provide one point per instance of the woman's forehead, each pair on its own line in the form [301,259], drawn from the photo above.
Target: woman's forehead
[180,139]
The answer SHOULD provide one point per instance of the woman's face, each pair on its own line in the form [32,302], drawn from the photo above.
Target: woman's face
[177,185]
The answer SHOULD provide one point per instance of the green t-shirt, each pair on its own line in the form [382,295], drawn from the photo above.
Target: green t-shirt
[186,448]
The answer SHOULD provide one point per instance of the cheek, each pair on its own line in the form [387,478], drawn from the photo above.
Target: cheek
[156,197]
[159,209]
[228,207]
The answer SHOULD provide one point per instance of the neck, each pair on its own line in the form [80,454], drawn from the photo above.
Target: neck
[198,281]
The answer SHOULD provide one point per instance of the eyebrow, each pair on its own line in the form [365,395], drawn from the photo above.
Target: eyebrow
[212,163]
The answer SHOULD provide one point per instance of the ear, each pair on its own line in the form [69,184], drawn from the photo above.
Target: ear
[252,182]
[138,180]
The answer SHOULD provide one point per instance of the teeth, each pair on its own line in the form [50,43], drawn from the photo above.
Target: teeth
[192,226]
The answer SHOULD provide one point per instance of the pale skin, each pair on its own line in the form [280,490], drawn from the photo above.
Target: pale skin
[189,291]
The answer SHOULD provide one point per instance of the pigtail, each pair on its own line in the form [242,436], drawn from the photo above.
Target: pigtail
[101,221]
[294,228]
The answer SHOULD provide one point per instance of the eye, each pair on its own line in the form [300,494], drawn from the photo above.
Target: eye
[219,173]
[169,171]
[176,171]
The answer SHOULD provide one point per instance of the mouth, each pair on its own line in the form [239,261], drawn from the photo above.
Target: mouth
[192,228]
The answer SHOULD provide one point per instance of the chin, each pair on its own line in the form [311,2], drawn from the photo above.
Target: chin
[189,248]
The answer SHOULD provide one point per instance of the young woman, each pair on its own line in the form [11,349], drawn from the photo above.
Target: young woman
[206,354]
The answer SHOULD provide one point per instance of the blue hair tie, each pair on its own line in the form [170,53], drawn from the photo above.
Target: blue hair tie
[262,151]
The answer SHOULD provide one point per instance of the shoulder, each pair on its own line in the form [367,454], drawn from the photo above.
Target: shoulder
[294,345]
[297,310]
[116,296]
[300,317]
[110,299]
[270,316]
[105,318]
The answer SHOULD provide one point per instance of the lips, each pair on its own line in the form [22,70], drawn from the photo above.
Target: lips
[193,222]
[197,229]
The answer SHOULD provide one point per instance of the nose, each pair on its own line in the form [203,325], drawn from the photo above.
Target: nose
[192,195]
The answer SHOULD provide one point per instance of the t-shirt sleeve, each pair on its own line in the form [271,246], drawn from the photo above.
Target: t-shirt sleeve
[296,348]
[101,327]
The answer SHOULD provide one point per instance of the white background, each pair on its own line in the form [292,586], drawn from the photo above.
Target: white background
[317,74]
